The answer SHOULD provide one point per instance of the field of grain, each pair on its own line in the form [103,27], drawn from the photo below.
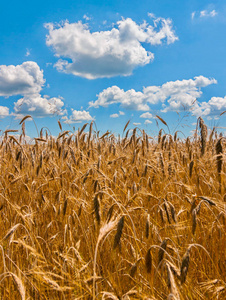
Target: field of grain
[85,216]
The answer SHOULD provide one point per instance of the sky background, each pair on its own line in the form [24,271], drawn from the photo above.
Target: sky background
[112,61]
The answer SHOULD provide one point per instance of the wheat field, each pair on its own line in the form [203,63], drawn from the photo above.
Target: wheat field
[90,216]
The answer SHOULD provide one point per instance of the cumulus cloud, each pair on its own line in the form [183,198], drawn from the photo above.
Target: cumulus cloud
[114,116]
[146,115]
[27,81]
[212,108]
[136,124]
[4,111]
[174,95]
[23,79]
[79,116]
[218,103]
[147,122]
[183,94]
[106,53]
[38,106]
[113,95]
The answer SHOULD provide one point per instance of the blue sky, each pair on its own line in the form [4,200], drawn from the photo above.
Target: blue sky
[112,61]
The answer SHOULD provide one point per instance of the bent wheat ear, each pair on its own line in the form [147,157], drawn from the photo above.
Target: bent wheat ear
[219,151]
[65,207]
[167,212]
[172,283]
[173,212]
[83,128]
[148,261]
[164,122]
[159,136]
[119,232]
[184,266]
[133,270]
[59,125]
[194,220]
[126,126]
[63,134]
[11,231]
[191,168]
[105,134]
[96,205]
[162,250]
[110,212]
[20,286]
[147,227]
[25,118]
[203,129]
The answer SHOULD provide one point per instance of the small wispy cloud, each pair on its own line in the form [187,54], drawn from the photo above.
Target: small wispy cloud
[86,17]
[206,13]
[120,113]
[28,52]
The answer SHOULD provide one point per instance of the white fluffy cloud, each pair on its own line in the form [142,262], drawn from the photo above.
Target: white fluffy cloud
[79,116]
[114,116]
[106,53]
[218,103]
[174,95]
[130,99]
[38,106]
[147,122]
[27,80]
[213,107]
[146,115]
[4,111]
[23,79]
[182,94]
